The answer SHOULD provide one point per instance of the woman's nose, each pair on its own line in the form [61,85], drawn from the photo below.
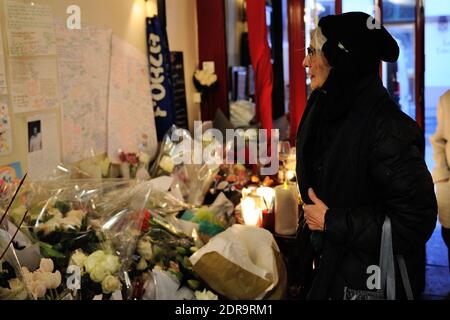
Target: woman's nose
[306,62]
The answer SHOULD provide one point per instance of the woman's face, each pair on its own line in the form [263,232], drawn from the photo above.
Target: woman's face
[319,69]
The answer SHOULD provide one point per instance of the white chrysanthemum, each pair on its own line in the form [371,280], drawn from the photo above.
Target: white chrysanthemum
[94,259]
[111,263]
[144,248]
[98,274]
[111,284]
[78,259]
[205,295]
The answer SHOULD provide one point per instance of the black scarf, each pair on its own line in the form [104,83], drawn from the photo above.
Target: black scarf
[325,110]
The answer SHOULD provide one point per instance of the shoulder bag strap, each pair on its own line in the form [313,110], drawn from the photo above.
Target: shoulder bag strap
[405,278]
[387,261]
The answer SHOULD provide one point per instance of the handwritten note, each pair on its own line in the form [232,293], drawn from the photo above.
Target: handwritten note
[131,122]
[33,84]
[30,29]
[83,66]
[3,86]
[5,128]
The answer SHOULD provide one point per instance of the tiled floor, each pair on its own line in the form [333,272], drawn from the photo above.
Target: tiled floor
[437,272]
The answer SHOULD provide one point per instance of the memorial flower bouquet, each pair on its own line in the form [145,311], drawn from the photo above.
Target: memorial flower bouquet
[162,248]
[43,282]
[204,80]
[98,274]
[77,226]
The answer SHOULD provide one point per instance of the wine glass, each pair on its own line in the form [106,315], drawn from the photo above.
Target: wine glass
[284,148]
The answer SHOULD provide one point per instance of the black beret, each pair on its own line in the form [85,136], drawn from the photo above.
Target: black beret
[357,33]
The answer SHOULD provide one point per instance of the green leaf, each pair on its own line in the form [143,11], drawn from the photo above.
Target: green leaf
[193,284]
[49,252]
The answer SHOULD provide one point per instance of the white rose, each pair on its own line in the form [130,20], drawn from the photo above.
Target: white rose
[144,248]
[98,274]
[205,295]
[55,279]
[78,259]
[38,289]
[111,263]
[46,265]
[111,284]
[94,259]
[166,164]
[142,265]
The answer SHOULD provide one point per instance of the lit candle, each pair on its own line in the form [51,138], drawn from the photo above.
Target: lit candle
[290,175]
[250,213]
[247,191]
[286,210]
[267,194]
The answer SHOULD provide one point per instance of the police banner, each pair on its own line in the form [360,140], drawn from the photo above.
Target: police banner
[161,87]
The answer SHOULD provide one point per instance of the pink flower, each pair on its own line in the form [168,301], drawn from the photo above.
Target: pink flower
[132,158]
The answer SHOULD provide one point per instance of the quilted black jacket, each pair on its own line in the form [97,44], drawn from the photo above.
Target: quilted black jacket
[368,164]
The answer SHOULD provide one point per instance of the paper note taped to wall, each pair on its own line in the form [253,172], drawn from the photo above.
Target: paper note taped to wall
[131,122]
[83,66]
[5,128]
[3,86]
[43,146]
[30,29]
[33,84]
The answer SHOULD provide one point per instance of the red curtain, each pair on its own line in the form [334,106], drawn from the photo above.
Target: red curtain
[260,56]
[297,90]
[212,47]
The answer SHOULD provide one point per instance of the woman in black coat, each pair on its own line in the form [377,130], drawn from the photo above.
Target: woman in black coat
[359,158]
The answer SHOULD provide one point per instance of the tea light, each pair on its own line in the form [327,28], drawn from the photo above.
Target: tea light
[290,175]
[286,210]
[248,191]
[250,213]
